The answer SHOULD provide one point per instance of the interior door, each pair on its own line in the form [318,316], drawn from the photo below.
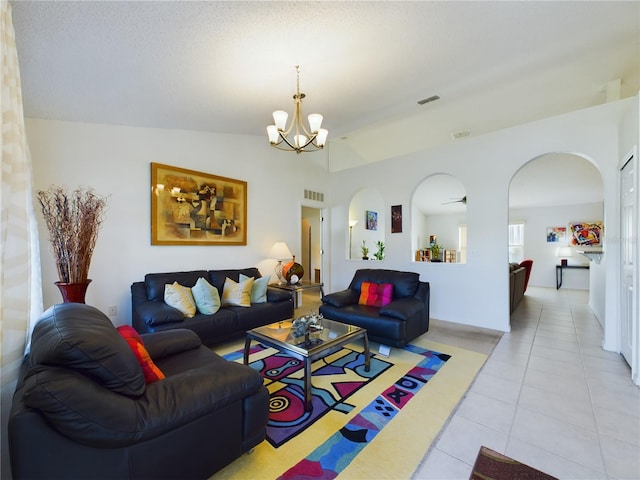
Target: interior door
[627,253]
[311,243]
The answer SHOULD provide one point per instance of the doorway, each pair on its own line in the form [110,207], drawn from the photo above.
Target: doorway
[311,243]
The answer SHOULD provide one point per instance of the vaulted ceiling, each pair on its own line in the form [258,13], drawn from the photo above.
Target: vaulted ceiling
[225,66]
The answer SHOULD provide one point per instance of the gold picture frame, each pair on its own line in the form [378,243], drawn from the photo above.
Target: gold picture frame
[196,208]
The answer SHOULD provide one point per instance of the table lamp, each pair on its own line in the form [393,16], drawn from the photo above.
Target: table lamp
[280,251]
[564,252]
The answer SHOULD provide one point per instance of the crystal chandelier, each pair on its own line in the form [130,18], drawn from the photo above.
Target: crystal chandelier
[303,140]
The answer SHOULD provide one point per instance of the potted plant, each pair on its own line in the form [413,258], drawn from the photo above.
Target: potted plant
[365,251]
[380,252]
[73,220]
[435,252]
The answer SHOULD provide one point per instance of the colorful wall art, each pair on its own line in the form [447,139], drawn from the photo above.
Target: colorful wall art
[556,234]
[585,233]
[195,208]
[372,220]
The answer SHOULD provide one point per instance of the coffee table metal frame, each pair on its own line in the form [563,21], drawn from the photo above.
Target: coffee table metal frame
[333,336]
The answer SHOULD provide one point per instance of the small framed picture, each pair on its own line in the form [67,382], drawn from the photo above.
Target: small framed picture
[556,234]
[396,219]
[372,220]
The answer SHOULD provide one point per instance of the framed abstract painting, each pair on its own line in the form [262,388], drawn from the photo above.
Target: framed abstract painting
[196,208]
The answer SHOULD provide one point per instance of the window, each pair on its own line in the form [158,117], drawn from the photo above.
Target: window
[462,243]
[516,242]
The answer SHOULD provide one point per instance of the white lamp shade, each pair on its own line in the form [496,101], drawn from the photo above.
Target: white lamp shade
[352,223]
[299,140]
[315,122]
[280,119]
[321,139]
[272,133]
[564,252]
[280,251]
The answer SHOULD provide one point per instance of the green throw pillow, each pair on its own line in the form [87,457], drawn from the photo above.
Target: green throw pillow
[206,296]
[259,289]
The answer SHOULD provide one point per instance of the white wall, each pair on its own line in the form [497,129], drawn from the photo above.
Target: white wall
[536,221]
[116,161]
[475,293]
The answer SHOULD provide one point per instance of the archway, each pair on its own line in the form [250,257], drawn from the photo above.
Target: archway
[548,195]
[439,217]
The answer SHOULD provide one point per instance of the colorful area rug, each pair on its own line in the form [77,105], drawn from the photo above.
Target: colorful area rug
[334,379]
[377,425]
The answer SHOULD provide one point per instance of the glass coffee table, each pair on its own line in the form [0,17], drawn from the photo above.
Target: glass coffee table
[320,343]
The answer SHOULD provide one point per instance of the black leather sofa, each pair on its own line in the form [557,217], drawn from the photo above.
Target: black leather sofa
[151,314]
[517,285]
[395,324]
[82,408]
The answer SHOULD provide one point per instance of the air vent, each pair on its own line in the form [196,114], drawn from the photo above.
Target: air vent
[460,134]
[427,100]
[311,195]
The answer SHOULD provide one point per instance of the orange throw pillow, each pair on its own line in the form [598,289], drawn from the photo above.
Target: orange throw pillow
[375,295]
[151,371]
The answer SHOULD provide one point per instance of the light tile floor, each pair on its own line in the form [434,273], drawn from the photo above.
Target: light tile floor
[548,396]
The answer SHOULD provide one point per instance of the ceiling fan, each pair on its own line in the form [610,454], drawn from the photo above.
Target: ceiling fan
[462,200]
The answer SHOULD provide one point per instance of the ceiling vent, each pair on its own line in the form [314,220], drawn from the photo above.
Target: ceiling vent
[427,100]
[460,134]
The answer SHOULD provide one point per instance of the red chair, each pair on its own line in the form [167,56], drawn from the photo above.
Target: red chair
[527,264]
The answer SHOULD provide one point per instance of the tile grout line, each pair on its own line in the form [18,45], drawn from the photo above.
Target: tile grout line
[588,383]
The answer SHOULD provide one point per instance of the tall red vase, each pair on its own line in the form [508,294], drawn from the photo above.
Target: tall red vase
[73,292]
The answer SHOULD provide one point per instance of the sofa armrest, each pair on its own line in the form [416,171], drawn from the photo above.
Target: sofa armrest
[153,312]
[403,308]
[170,342]
[342,298]
[277,295]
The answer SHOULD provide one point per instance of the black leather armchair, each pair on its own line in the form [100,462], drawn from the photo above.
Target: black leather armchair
[395,324]
[82,408]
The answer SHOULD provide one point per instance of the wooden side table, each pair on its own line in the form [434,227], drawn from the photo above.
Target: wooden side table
[559,269]
[299,287]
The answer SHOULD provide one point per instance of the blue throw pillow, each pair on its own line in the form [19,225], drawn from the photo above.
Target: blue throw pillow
[259,289]
[206,296]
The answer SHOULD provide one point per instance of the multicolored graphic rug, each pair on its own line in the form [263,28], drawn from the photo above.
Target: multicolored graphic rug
[335,378]
[376,424]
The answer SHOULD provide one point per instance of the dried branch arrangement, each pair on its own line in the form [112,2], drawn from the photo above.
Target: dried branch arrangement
[73,220]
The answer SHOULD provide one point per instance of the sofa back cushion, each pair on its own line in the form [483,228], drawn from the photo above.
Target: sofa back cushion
[405,284]
[82,338]
[155,282]
[218,277]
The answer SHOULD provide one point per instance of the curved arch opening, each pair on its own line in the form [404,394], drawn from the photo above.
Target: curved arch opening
[367,225]
[549,197]
[439,220]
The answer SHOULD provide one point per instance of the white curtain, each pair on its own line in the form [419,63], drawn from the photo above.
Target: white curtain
[20,278]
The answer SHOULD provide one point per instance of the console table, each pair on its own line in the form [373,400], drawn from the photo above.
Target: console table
[559,269]
[299,287]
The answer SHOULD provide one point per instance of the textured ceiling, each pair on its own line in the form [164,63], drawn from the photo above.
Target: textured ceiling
[225,66]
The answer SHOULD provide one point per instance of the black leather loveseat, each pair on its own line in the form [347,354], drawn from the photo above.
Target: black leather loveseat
[394,324]
[82,408]
[151,314]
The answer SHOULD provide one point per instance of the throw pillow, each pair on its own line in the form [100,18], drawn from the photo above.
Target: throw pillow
[206,296]
[180,298]
[237,294]
[375,295]
[150,370]
[259,289]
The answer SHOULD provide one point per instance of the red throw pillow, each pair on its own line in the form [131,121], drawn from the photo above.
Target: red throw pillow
[375,295]
[151,371]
